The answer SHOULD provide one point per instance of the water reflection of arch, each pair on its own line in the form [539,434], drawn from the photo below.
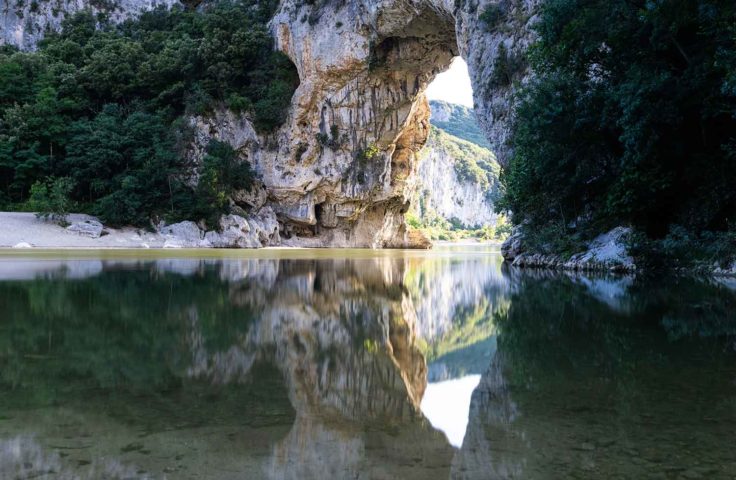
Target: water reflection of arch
[343,334]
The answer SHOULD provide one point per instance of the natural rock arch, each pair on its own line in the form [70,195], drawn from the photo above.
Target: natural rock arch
[343,167]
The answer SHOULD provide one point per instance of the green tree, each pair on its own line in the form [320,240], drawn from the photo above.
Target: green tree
[222,173]
[629,120]
[105,105]
[50,199]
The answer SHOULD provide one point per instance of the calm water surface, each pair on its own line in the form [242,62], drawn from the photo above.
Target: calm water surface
[357,364]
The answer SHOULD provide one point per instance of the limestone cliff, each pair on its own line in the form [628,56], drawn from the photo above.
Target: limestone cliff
[341,170]
[452,185]
[23,23]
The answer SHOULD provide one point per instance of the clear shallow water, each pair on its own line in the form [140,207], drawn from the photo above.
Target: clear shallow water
[356,364]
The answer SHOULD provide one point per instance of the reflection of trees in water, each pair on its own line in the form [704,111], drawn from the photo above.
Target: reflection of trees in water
[606,377]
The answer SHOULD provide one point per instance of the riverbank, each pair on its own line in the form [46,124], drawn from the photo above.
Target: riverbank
[25,230]
[609,252]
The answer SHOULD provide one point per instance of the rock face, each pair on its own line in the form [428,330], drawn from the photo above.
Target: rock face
[23,23]
[607,251]
[444,192]
[488,30]
[341,171]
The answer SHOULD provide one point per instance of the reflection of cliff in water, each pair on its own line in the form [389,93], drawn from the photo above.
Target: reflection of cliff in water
[456,297]
[315,369]
[167,348]
[343,334]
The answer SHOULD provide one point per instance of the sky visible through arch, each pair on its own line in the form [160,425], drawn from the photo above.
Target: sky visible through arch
[453,85]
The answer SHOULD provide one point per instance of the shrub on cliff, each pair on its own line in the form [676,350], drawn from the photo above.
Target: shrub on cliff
[222,173]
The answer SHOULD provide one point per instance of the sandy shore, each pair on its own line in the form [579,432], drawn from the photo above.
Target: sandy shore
[24,230]
[20,229]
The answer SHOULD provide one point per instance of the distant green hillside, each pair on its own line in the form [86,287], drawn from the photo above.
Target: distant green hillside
[459,121]
[472,163]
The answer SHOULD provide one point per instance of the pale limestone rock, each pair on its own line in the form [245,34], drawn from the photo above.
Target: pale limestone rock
[261,230]
[86,228]
[23,24]
[255,198]
[608,251]
[234,233]
[182,235]
[479,45]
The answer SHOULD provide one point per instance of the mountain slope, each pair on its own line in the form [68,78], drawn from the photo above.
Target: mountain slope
[459,121]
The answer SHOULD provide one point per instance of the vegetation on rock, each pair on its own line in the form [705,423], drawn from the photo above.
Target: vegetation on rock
[106,105]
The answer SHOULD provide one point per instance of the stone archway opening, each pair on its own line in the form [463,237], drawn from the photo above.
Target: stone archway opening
[360,115]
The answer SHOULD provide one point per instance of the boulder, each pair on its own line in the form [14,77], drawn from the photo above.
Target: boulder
[234,233]
[182,235]
[418,240]
[606,251]
[86,228]
[512,247]
[256,231]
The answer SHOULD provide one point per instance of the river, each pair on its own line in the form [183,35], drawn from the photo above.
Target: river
[322,364]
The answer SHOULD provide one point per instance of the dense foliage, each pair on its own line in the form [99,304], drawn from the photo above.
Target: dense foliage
[104,105]
[631,119]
